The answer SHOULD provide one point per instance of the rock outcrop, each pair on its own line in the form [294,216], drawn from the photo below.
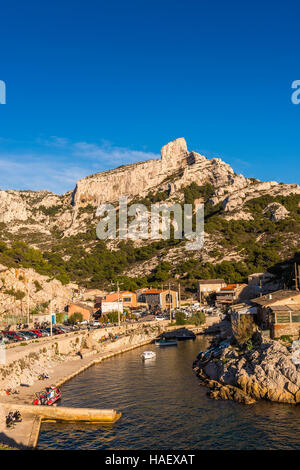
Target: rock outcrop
[266,372]
[21,289]
[276,211]
[176,169]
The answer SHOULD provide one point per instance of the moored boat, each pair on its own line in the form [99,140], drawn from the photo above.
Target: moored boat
[179,335]
[48,397]
[166,342]
[148,355]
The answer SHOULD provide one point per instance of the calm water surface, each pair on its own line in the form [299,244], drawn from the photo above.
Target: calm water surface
[164,407]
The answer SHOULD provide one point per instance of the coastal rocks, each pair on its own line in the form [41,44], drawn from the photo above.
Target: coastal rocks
[265,372]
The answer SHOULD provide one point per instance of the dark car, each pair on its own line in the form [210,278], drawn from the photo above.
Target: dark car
[59,330]
[55,331]
[12,336]
[24,335]
[37,332]
[31,334]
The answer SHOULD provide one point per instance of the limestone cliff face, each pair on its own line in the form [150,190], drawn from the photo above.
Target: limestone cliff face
[27,212]
[131,180]
[35,291]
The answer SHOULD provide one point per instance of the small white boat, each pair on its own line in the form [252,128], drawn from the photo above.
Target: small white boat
[148,355]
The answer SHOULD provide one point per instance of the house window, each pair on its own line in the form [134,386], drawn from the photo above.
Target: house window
[283,318]
[169,298]
[126,299]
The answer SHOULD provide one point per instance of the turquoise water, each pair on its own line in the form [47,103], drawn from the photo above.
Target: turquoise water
[164,407]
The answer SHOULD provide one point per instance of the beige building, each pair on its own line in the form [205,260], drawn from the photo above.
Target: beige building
[162,298]
[232,293]
[209,286]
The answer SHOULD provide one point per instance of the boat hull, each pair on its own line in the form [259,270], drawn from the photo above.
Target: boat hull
[163,344]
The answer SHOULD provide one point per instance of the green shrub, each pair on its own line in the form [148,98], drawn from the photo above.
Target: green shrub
[75,317]
[180,318]
[197,319]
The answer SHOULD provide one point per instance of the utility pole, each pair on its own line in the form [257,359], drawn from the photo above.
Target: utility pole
[51,312]
[260,288]
[296,277]
[118,303]
[179,296]
[28,302]
[170,303]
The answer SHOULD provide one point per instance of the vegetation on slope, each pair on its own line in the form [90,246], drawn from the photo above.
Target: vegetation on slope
[260,243]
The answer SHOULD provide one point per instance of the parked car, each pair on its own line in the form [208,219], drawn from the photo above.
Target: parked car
[12,336]
[37,332]
[31,334]
[63,329]
[44,332]
[55,330]
[59,329]
[24,335]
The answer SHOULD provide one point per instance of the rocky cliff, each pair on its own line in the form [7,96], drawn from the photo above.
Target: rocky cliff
[41,218]
[177,168]
[23,289]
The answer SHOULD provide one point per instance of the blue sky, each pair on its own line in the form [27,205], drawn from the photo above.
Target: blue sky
[92,85]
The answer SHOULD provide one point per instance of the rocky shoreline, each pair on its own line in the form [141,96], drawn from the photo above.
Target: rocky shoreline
[262,369]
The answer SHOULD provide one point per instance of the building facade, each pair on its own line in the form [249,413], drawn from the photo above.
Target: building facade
[78,307]
[279,312]
[209,286]
[232,293]
[161,298]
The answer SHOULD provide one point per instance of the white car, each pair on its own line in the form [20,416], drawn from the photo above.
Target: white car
[96,323]
[159,318]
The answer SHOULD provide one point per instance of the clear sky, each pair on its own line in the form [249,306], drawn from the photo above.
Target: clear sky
[95,84]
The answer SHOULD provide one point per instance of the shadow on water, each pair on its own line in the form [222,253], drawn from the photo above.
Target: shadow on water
[164,407]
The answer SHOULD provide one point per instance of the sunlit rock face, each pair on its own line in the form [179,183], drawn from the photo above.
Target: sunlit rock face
[73,212]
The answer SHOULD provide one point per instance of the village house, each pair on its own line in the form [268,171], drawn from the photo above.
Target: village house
[279,312]
[86,310]
[108,306]
[127,298]
[232,293]
[209,286]
[162,298]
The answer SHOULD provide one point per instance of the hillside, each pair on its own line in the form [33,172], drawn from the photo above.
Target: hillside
[250,225]
[23,290]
